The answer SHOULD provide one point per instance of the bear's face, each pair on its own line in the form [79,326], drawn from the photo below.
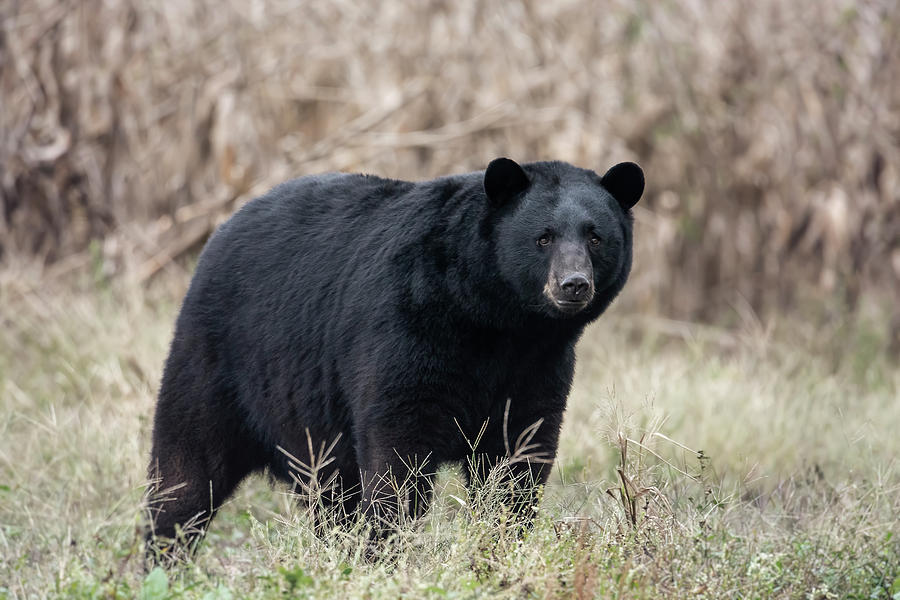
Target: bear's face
[563,235]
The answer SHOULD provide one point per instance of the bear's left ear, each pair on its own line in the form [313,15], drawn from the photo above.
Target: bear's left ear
[503,179]
[625,182]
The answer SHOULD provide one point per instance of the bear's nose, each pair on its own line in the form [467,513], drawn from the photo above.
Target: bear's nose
[575,287]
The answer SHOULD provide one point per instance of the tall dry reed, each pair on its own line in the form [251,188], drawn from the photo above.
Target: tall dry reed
[770,130]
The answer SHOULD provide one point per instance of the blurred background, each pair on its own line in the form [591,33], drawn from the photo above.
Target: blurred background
[769,130]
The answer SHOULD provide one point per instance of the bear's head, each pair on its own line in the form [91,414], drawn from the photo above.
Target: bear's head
[563,234]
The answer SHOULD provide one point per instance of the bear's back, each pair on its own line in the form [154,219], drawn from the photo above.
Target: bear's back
[309,258]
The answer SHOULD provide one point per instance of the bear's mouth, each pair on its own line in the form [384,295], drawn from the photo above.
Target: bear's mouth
[570,307]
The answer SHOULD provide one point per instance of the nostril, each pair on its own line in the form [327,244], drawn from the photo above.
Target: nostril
[581,287]
[575,286]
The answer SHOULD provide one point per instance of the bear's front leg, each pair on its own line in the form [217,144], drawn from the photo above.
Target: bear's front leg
[399,449]
[397,487]
[514,461]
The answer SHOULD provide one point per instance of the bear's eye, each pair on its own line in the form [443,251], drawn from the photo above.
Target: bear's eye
[595,240]
[544,240]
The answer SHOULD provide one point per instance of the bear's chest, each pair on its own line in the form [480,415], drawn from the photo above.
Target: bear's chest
[481,371]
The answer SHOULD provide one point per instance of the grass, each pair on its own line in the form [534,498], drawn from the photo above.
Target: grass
[694,463]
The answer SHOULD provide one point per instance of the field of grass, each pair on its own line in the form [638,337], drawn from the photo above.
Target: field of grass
[694,463]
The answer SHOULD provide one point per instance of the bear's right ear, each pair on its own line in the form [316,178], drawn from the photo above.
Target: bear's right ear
[503,179]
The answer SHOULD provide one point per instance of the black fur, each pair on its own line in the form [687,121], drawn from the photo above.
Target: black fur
[399,316]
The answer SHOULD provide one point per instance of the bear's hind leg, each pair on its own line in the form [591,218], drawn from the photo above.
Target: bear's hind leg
[184,496]
[192,472]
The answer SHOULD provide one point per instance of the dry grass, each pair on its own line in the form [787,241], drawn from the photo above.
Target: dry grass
[769,130]
[795,494]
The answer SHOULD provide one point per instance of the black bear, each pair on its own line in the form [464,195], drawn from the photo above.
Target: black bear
[393,321]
